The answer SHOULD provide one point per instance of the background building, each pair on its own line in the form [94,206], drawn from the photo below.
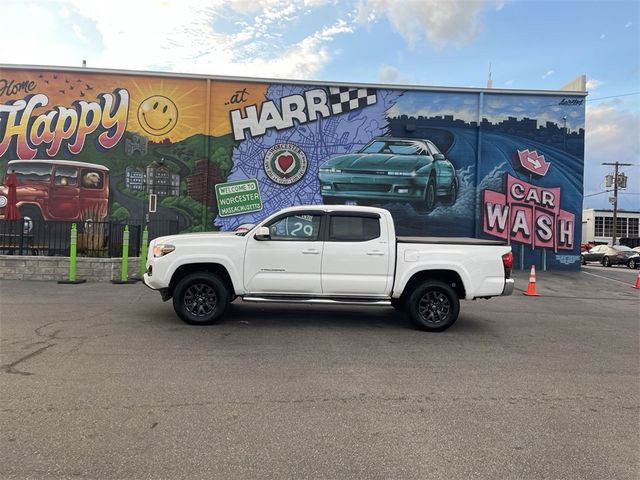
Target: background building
[597,226]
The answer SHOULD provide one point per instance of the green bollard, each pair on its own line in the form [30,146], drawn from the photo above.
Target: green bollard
[72,257]
[143,251]
[124,277]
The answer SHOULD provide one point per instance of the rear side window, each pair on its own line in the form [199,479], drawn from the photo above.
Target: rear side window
[353,228]
[29,172]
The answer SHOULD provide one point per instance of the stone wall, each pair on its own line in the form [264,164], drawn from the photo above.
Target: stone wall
[18,267]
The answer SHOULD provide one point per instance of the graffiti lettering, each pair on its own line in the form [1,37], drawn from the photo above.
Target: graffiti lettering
[528,214]
[304,107]
[11,87]
[238,97]
[573,101]
[62,125]
[293,107]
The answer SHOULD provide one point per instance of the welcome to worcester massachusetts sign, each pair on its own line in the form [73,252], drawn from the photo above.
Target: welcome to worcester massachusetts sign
[528,214]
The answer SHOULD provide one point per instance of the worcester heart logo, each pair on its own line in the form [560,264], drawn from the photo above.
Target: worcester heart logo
[285,163]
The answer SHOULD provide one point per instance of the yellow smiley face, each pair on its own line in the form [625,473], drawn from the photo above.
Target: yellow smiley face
[157,115]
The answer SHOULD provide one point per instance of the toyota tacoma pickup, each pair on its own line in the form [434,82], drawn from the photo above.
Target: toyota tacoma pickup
[331,255]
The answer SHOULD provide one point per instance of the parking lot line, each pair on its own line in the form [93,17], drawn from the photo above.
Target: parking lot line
[606,278]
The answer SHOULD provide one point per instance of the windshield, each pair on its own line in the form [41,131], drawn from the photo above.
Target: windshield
[396,147]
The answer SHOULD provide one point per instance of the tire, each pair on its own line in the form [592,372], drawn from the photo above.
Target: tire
[32,217]
[632,264]
[606,262]
[584,261]
[433,306]
[450,199]
[429,198]
[397,304]
[200,298]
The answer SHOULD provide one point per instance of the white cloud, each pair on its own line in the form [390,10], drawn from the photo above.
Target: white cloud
[602,36]
[628,24]
[182,36]
[611,135]
[454,22]
[549,72]
[77,31]
[508,83]
[593,84]
[389,74]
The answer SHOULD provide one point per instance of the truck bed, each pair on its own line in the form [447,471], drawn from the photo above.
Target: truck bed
[449,240]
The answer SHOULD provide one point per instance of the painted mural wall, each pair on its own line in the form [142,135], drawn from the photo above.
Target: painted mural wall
[221,154]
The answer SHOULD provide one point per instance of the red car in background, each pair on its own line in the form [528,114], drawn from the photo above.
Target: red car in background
[61,190]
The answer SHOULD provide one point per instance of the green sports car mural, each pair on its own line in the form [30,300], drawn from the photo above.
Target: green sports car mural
[390,169]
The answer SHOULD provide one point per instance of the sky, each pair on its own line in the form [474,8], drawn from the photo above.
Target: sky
[530,44]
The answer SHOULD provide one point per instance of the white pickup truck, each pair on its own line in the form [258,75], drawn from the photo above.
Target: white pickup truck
[331,255]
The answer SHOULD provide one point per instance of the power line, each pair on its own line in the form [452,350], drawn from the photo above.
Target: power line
[612,96]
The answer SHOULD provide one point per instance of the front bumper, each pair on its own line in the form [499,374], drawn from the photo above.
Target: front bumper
[371,187]
[509,285]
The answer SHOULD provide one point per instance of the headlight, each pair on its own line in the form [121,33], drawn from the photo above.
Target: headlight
[330,170]
[162,250]
[402,174]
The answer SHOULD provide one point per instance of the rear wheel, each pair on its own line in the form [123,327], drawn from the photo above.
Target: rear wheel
[200,298]
[433,306]
[606,262]
[450,198]
[584,260]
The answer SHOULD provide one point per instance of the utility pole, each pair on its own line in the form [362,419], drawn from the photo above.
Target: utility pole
[615,197]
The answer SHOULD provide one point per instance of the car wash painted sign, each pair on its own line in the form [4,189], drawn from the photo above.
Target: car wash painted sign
[528,214]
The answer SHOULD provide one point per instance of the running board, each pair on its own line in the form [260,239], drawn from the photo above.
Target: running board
[326,301]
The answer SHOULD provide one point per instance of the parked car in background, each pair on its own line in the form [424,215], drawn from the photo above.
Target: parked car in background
[607,256]
[389,169]
[634,261]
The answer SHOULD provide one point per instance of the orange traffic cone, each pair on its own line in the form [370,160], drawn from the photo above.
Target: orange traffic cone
[637,285]
[531,288]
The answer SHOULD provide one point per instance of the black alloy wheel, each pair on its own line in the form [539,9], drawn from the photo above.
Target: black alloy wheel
[201,298]
[433,306]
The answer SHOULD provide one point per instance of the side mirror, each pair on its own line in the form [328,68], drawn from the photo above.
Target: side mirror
[262,234]
[438,156]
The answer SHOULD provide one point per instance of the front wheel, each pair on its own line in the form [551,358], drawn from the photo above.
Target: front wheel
[632,264]
[433,306]
[429,198]
[200,298]
[606,262]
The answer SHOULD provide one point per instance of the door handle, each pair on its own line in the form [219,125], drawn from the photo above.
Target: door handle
[311,251]
[379,253]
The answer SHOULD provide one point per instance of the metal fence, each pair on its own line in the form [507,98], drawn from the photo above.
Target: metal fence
[95,239]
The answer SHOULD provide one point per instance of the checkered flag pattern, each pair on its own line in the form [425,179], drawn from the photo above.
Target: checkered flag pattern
[345,99]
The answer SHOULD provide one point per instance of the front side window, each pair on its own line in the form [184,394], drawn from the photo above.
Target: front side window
[66,176]
[353,229]
[296,227]
[93,179]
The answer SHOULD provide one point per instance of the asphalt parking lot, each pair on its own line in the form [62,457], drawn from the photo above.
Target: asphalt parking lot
[103,381]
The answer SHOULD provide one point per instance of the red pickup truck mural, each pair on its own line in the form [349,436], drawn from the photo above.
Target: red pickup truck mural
[59,190]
